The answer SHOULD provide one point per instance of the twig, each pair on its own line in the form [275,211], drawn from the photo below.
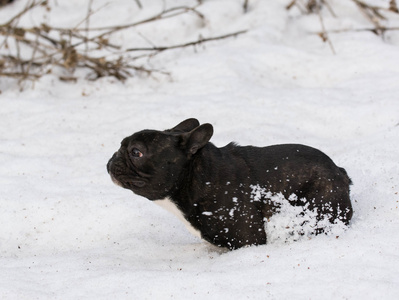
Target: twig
[329,7]
[324,34]
[371,12]
[375,9]
[27,8]
[33,55]
[168,13]
[89,14]
[373,30]
[19,75]
[139,4]
[290,5]
[393,6]
[88,25]
[245,6]
[193,43]
[165,14]
[374,15]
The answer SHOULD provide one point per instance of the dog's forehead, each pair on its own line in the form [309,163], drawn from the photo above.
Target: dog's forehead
[148,137]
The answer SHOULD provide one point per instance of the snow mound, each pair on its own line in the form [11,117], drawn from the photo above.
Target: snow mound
[294,223]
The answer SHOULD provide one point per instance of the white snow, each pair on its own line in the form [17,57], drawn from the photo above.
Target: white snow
[207,213]
[67,232]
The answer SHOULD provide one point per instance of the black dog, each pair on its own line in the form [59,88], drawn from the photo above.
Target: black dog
[212,187]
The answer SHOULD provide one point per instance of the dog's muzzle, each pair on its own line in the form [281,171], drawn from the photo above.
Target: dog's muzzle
[110,162]
[109,165]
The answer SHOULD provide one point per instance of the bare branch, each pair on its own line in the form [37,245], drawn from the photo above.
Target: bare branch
[139,4]
[374,14]
[324,34]
[245,6]
[47,50]
[29,6]
[393,6]
[193,43]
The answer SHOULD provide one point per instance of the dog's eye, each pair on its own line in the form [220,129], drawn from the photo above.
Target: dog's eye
[136,153]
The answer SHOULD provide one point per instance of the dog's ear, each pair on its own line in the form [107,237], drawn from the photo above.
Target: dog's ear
[185,126]
[197,138]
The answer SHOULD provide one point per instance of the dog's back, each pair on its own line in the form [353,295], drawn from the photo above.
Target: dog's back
[289,169]
[301,170]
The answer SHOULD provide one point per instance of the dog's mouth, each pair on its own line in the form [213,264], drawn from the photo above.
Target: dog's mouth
[125,181]
[114,180]
[128,183]
[138,183]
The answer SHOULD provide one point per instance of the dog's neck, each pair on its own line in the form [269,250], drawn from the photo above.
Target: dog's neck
[195,175]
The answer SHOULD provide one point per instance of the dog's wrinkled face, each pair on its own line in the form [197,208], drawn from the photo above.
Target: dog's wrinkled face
[147,162]
[150,162]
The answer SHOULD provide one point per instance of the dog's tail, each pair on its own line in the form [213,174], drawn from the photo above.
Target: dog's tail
[343,171]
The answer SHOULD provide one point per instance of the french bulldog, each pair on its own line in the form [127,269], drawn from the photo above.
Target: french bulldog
[211,188]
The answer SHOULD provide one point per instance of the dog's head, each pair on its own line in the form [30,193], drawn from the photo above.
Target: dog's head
[151,162]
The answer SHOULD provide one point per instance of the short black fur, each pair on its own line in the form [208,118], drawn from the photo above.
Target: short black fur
[212,186]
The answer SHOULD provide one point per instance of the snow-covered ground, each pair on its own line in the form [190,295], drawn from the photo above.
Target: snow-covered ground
[67,232]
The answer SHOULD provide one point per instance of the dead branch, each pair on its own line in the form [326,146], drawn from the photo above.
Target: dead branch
[324,34]
[5,2]
[19,75]
[374,14]
[393,6]
[373,30]
[193,43]
[77,47]
[139,4]
[28,7]
[245,6]
[165,14]
[72,48]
